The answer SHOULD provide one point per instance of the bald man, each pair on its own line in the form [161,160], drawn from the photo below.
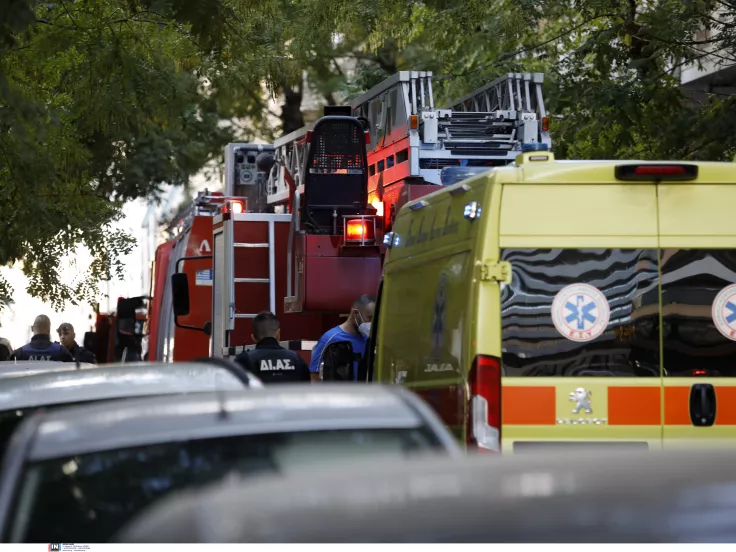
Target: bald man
[41,347]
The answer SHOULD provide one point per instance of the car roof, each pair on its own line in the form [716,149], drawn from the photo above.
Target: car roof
[580,497]
[31,367]
[278,408]
[112,382]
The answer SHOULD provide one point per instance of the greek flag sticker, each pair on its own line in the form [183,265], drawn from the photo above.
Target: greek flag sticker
[204,277]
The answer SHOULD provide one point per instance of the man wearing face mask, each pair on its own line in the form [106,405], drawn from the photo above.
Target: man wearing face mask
[354,330]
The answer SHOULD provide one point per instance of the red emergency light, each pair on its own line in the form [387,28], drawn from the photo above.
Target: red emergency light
[231,207]
[668,171]
[360,230]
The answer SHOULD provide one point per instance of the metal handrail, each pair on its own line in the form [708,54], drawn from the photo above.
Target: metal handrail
[294,226]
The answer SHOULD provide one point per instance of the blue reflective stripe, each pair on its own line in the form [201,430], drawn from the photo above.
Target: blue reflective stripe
[54,350]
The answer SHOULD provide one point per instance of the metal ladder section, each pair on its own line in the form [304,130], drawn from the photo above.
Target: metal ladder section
[505,103]
[291,153]
[271,280]
[510,92]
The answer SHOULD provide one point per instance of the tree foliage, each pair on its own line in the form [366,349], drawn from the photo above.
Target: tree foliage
[102,101]
[613,68]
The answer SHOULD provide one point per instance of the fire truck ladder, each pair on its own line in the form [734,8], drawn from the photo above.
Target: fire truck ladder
[498,111]
[287,173]
[229,290]
[270,280]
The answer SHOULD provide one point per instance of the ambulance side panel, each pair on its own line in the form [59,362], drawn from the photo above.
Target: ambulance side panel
[698,260]
[428,309]
[581,363]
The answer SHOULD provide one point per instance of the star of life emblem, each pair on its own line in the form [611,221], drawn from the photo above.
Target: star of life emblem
[724,312]
[580,312]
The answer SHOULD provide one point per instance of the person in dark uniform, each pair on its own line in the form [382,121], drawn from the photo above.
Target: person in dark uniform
[5,349]
[269,360]
[40,347]
[67,337]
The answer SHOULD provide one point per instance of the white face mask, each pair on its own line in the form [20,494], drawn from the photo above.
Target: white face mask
[363,327]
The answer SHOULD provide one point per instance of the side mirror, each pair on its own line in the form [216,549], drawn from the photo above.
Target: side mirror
[180,293]
[180,298]
[337,362]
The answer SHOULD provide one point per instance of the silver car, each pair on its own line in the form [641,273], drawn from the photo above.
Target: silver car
[21,396]
[586,497]
[13,369]
[79,474]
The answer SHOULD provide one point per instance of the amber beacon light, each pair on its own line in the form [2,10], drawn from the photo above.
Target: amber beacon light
[360,231]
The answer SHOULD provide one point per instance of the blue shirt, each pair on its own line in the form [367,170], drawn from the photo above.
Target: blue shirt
[335,335]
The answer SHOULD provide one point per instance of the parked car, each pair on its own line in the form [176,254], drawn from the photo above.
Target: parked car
[623,497]
[11,369]
[79,474]
[21,396]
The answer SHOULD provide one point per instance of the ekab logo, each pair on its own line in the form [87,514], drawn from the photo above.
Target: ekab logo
[54,547]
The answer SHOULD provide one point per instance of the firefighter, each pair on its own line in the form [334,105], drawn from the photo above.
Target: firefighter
[40,347]
[355,330]
[269,360]
[67,337]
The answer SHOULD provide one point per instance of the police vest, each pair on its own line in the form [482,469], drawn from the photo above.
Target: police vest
[53,352]
[273,364]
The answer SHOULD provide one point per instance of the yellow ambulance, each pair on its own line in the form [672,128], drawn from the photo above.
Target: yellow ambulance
[556,303]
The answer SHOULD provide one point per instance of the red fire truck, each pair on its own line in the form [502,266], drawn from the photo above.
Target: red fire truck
[238,257]
[416,148]
[302,235]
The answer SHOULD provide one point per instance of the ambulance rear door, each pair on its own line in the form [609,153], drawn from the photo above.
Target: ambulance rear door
[698,265]
[580,351]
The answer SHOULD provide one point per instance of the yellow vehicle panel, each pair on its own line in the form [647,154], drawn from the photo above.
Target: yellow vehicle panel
[607,332]
[427,298]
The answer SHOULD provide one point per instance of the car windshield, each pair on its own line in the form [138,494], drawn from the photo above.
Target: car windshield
[90,497]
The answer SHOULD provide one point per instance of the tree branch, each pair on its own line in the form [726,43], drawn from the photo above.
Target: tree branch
[526,49]
[63,5]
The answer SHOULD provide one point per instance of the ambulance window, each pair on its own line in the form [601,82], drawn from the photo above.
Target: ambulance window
[581,312]
[699,312]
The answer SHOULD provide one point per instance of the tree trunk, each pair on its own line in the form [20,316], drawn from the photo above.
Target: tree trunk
[291,109]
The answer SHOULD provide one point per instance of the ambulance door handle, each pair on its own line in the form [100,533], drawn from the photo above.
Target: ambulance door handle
[702,405]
